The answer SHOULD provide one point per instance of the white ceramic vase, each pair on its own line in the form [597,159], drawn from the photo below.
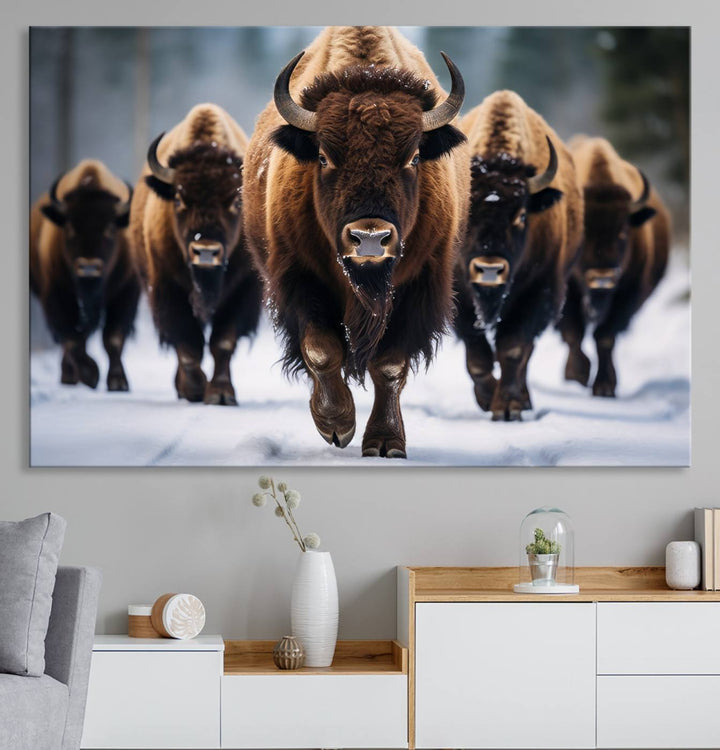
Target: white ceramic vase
[682,565]
[314,607]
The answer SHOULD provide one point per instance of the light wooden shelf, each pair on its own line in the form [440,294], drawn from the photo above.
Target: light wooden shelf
[351,657]
[597,584]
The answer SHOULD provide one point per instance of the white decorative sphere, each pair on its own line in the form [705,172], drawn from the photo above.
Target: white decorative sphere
[183,616]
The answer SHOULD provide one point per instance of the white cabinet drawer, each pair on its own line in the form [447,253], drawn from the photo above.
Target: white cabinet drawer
[496,675]
[658,711]
[153,699]
[658,638]
[311,711]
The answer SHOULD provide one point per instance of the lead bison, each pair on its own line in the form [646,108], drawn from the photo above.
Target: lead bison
[189,247]
[624,255]
[355,198]
[523,238]
[81,271]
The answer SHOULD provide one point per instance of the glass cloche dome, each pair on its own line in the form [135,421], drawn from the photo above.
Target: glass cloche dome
[547,553]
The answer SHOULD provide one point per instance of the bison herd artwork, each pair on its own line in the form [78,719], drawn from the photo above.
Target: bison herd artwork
[371,221]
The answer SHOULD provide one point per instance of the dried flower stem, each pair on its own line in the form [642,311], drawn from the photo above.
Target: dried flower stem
[286,500]
[297,528]
[297,536]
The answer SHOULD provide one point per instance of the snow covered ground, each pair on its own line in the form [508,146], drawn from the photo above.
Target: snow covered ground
[648,424]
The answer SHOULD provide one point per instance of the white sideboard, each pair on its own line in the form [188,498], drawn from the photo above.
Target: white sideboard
[205,693]
[154,693]
[627,663]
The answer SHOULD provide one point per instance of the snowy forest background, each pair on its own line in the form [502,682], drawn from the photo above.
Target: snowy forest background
[107,92]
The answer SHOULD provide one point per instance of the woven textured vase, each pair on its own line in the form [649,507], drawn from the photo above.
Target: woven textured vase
[314,607]
[288,653]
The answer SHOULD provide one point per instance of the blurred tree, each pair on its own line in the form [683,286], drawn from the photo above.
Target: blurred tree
[647,94]
[555,72]
[65,96]
[472,48]
[141,129]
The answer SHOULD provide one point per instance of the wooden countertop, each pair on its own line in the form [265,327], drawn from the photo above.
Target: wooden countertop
[597,584]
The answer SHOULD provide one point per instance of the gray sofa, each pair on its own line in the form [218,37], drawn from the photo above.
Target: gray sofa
[46,713]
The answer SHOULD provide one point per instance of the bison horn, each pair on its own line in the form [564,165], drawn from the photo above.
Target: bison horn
[541,181]
[122,208]
[448,110]
[164,174]
[292,112]
[53,193]
[642,200]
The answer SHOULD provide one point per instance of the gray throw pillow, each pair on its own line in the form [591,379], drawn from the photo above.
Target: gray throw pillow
[29,552]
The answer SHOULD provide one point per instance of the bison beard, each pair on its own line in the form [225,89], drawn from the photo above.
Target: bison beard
[206,289]
[366,316]
[90,303]
[597,304]
[488,303]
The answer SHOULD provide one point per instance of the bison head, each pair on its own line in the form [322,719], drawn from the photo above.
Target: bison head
[366,133]
[90,218]
[204,184]
[505,193]
[610,216]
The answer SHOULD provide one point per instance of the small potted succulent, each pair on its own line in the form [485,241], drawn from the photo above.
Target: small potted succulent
[543,555]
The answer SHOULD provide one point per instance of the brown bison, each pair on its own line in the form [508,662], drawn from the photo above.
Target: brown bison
[81,271]
[189,246]
[623,258]
[523,237]
[355,199]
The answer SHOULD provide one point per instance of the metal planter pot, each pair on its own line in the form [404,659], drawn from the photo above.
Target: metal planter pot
[543,568]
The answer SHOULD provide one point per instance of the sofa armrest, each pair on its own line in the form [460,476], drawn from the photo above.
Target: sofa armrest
[69,641]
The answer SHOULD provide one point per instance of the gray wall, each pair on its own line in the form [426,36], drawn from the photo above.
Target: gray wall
[153,531]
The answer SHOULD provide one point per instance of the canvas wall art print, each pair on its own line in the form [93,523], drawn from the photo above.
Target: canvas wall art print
[359,246]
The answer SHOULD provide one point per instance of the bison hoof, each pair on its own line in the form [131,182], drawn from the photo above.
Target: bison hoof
[220,395]
[193,398]
[333,412]
[509,409]
[509,406]
[484,390]
[377,453]
[190,383]
[578,368]
[507,415]
[116,381]
[604,390]
[340,439]
[69,375]
[89,371]
[379,447]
